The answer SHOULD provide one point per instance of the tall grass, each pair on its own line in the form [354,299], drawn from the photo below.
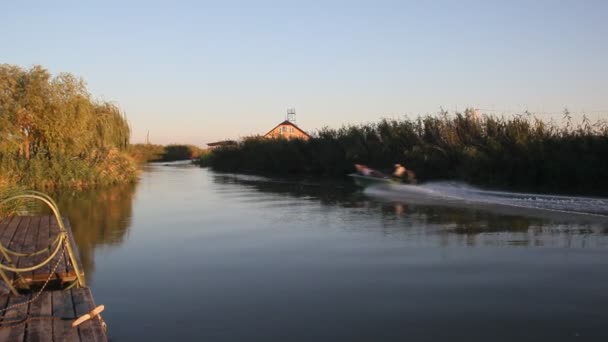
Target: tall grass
[522,153]
[144,153]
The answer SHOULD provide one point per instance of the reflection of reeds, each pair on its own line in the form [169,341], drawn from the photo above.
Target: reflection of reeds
[98,217]
[522,152]
[450,224]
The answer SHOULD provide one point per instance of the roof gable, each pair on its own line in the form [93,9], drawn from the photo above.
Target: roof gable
[288,123]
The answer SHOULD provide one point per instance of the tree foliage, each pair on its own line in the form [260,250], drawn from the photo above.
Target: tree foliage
[53,133]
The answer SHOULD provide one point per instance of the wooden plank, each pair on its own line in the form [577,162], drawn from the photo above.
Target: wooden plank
[63,307]
[17,332]
[4,299]
[18,241]
[30,246]
[65,277]
[29,234]
[54,230]
[42,242]
[9,233]
[40,329]
[7,227]
[6,238]
[4,224]
[19,312]
[72,242]
[90,330]
[62,269]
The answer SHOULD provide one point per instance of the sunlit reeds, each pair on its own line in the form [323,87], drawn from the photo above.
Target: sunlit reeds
[521,152]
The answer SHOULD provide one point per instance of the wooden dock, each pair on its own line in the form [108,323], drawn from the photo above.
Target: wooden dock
[46,315]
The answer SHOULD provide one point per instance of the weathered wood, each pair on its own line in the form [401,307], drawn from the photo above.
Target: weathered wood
[72,242]
[90,330]
[36,235]
[20,311]
[30,245]
[5,233]
[43,242]
[18,242]
[9,232]
[54,231]
[49,317]
[40,329]
[63,307]
[17,331]
[9,227]
[64,277]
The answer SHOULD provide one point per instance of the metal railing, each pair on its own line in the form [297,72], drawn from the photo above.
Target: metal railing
[61,242]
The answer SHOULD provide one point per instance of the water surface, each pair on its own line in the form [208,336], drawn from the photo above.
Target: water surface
[188,254]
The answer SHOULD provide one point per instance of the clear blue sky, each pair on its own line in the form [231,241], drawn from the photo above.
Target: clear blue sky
[196,72]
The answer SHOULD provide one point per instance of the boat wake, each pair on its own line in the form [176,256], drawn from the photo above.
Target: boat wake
[461,194]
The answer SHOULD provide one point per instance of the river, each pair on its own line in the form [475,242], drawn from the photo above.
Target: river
[189,254]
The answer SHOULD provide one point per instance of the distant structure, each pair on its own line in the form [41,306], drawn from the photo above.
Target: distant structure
[288,128]
[222,143]
[291,115]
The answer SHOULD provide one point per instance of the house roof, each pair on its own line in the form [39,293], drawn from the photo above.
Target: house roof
[289,123]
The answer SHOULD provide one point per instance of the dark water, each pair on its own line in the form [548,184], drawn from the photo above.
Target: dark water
[187,254]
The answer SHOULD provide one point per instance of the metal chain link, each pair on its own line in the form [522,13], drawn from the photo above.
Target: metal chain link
[48,279]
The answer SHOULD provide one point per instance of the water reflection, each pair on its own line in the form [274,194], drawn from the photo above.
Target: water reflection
[98,217]
[455,225]
[334,192]
[267,260]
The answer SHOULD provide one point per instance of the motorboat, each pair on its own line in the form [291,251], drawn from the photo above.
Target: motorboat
[365,181]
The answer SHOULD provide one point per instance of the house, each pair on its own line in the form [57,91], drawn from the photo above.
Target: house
[223,143]
[287,130]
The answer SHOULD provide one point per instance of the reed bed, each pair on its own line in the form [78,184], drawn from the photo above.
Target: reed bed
[517,153]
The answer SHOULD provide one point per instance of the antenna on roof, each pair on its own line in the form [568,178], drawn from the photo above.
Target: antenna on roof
[291,115]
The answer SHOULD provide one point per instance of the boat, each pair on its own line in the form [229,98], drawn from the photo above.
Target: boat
[365,181]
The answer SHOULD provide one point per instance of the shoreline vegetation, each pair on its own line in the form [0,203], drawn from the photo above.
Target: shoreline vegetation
[54,134]
[522,153]
[148,153]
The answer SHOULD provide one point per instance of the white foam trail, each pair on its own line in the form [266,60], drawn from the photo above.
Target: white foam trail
[463,194]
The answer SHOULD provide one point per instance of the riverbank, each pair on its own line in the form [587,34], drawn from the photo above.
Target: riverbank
[521,153]
[148,153]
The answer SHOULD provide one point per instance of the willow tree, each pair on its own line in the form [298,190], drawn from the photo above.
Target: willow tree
[54,120]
